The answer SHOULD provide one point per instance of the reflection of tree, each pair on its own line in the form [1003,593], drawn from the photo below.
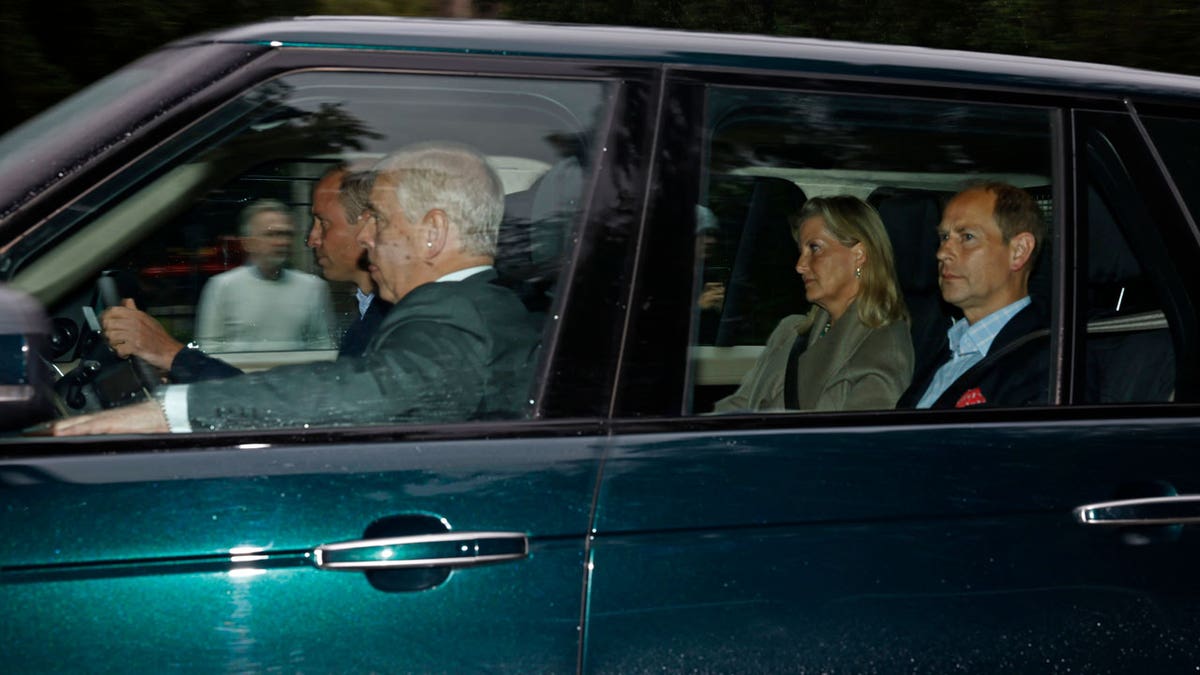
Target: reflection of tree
[36,70]
[862,133]
[282,130]
[1158,35]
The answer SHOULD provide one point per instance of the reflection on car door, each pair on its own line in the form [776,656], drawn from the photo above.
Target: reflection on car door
[202,559]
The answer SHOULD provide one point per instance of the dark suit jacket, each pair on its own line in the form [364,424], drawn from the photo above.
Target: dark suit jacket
[358,335]
[448,351]
[1020,377]
[193,365]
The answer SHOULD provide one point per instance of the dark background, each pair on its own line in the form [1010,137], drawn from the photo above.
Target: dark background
[51,48]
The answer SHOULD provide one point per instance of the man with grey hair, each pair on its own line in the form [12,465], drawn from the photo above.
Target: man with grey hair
[462,204]
[455,346]
[261,306]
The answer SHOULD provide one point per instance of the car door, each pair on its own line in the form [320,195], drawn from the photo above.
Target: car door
[161,557]
[445,547]
[903,540]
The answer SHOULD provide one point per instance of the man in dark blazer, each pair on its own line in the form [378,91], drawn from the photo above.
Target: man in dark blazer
[455,346]
[339,198]
[998,353]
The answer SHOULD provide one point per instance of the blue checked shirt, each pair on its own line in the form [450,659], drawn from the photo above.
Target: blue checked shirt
[968,345]
[364,301]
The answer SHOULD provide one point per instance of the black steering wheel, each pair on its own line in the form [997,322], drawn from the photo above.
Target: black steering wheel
[102,379]
[147,376]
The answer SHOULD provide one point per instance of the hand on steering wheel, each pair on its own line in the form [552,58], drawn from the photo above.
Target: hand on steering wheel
[146,374]
[133,333]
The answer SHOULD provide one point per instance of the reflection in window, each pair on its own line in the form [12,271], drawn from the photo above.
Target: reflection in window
[174,231]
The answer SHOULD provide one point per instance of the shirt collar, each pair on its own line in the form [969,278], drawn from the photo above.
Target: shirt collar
[364,301]
[966,338]
[254,269]
[459,275]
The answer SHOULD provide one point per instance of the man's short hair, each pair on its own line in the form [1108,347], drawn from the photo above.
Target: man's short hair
[1016,211]
[255,208]
[333,169]
[456,179]
[355,180]
[355,194]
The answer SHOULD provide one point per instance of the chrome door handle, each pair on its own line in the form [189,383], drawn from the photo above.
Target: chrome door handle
[1173,510]
[444,549]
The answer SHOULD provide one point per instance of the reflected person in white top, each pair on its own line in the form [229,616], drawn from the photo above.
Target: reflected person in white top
[262,306]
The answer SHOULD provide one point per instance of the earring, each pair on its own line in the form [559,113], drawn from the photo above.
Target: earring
[429,244]
[857,272]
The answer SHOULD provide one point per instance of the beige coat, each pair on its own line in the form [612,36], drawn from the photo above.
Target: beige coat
[852,367]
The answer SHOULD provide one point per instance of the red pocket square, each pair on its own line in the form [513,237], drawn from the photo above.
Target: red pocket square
[970,397]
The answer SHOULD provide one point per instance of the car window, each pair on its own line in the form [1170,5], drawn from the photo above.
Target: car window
[208,232]
[1135,299]
[767,154]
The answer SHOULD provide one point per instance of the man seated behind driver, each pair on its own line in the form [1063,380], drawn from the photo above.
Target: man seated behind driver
[455,346]
[997,354]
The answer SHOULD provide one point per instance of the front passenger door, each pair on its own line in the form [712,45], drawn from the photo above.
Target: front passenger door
[427,547]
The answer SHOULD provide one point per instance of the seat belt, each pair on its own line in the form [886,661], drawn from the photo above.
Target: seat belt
[791,384]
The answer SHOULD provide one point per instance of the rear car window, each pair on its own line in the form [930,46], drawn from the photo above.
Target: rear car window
[770,151]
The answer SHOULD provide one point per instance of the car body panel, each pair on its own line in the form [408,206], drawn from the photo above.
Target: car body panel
[916,548]
[214,547]
[609,43]
[885,541]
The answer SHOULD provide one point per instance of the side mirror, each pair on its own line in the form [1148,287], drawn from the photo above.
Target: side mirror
[25,380]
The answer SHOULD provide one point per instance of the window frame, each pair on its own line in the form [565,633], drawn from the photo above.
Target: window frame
[578,364]
[654,395]
[1132,164]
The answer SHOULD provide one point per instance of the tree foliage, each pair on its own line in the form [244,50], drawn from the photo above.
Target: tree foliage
[53,48]
[1154,34]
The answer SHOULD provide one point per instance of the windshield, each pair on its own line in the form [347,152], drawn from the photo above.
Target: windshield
[51,144]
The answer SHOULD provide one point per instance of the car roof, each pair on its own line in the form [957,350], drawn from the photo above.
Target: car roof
[679,48]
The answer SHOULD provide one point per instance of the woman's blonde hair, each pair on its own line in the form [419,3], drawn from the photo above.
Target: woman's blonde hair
[852,221]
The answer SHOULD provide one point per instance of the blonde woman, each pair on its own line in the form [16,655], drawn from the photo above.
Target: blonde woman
[853,350]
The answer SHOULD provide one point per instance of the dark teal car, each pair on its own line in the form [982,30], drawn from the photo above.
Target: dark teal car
[620,527]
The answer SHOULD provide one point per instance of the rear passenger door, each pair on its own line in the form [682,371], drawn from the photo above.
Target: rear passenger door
[901,540]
